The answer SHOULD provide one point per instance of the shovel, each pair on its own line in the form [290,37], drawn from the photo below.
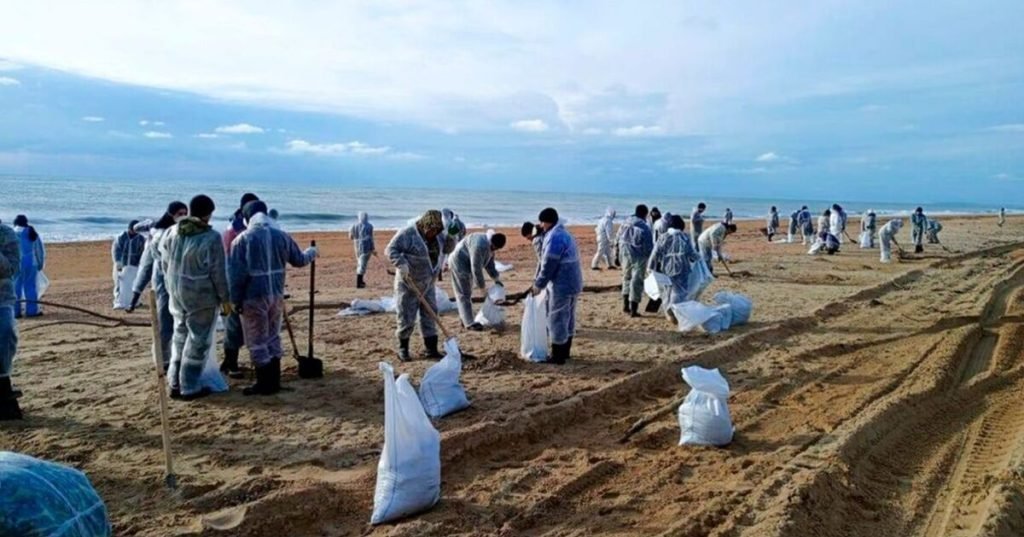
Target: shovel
[310,367]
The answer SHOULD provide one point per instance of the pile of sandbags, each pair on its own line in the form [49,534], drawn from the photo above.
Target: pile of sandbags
[387,304]
[729,310]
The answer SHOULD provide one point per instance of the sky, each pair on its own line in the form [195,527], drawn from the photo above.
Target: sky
[825,99]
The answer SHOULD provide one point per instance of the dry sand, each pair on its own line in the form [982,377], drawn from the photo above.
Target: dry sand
[869,400]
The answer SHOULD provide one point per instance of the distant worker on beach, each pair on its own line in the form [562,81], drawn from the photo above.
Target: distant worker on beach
[256,276]
[868,229]
[697,219]
[837,222]
[918,224]
[416,251]
[673,255]
[635,245]
[806,224]
[934,227]
[711,240]
[887,237]
[561,273]
[126,253]
[824,223]
[727,218]
[473,256]
[10,265]
[195,272]
[361,234]
[794,226]
[772,225]
[604,230]
[1002,216]
[33,260]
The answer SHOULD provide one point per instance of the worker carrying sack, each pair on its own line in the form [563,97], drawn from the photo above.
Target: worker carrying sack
[491,314]
[691,315]
[700,279]
[409,471]
[43,499]
[742,306]
[440,390]
[534,334]
[704,415]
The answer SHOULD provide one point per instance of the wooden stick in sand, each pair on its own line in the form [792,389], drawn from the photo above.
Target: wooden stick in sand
[170,479]
[426,305]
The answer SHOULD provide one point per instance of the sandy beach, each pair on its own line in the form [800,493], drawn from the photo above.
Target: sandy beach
[869,400]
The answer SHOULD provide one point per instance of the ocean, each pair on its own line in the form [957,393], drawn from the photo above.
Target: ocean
[75,209]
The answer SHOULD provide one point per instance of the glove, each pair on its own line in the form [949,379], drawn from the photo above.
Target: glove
[534,290]
[226,309]
[312,252]
[135,302]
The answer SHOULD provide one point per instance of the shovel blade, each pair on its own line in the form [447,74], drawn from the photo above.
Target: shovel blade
[310,367]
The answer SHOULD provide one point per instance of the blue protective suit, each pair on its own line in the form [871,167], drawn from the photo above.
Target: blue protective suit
[635,244]
[560,267]
[674,254]
[33,259]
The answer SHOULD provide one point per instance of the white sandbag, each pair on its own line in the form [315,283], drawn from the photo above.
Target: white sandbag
[491,314]
[440,391]
[444,304]
[655,283]
[534,332]
[704,415]
[865,239]
[502,267]
[692,314]
[699,280]
[371,306]
[125,279]
[742,306]
[725,322]
[211,378]
[409,471]
[496,293]
[42,284]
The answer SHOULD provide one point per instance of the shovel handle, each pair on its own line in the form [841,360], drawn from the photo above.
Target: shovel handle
[165,430]
[426,305]
[312,292]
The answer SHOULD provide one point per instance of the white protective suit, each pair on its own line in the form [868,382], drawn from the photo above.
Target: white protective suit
[885,236]
[605,237]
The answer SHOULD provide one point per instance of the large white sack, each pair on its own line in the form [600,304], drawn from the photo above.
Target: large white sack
[211,377]
[742,306]
[440,391]
[444,304]
[725,317]
[699,280]
[692,314]
[865,239]
[704,415]
[42,284]
[491,314]
[502,267]
[125,279]
[534,333]
[655,283]
[409,471]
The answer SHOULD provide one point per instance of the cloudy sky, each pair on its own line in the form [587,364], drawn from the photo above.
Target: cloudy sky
[860,100]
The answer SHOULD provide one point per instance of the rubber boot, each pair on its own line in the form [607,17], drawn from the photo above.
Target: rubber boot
[360,282]
[633,307]
[568,350]
[9,408]
[403,350]
[230,364]
[263,381]
[918,249]
[275,376]
[625,303]
[431,344]
[558,353]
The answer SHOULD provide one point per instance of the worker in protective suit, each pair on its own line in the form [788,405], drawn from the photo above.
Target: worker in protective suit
[604,230]
[193,263]
[806,224]
[10,265]
[934,227]
[150,272]
[674,254]
[869,228]
[126,253]
[794,226]
[918,224]
[33,259]
[697,219]
[533,233]
[234,335]
[361,234]
[561,273]
[256,276]
[653,218]
[824,223]
[451,221]
[1002,216]
[727,217]
[416,251]
[887,237]
[635,245]
[473,256]
[710,242]
[824,243]
[837,222]
[772,224]
[660,226]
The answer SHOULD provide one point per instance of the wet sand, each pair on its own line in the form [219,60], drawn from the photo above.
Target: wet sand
[869,400]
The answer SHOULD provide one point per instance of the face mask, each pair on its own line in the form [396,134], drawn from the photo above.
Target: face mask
[179,218]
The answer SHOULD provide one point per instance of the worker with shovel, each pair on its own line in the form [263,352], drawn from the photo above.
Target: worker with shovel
[887,236]
[256,276]
[416,252]
[711,241]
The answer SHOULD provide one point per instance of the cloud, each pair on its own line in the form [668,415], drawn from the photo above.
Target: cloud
[1008,127]
[770,156]
[239,128]
[407,156]
[158,134]
[206,135]
[8,81]
[355,147]
[144,122]
[591,131]
[639,131]
[6,65]
[529,125]
[92,119]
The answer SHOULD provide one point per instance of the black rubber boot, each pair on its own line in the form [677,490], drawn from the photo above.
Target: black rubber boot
[230,364]
[625,303]
[431,344]
[558,353]
[633,307]
[9,408]
[403,350]
[275,376]
[198,395]
[264,380]
[918,249]
[475,327]
[360,282]
[568,350]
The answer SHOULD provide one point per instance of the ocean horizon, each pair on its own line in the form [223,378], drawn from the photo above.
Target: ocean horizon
[67,209]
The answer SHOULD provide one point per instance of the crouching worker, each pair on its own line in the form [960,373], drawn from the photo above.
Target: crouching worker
[934,227]
[711,240]
[825,242]
[416,252]
[473,256]
[887,237]
[192,258]
[256,274]
[674,253]
[559,267]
